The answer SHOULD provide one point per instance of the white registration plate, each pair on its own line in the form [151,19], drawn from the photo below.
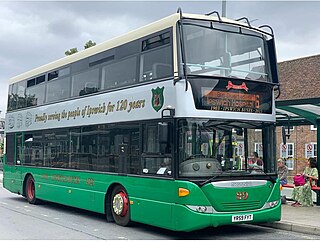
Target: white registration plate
[242,217]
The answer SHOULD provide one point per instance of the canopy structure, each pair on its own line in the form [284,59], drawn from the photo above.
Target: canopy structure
[298,111]
[301,112]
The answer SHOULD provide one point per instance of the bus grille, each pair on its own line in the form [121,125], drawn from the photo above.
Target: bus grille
[240,206]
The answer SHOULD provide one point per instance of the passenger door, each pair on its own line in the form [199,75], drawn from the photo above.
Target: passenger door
[16,181]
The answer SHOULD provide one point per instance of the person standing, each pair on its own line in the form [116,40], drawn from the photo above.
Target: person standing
[282,172]
[257,164]
[302,194]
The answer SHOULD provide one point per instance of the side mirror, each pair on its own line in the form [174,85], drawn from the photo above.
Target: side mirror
[163,133]
[273,61]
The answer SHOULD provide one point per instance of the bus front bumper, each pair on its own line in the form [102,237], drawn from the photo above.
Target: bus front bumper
[187,220]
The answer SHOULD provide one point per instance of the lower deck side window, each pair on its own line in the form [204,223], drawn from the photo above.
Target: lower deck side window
[104,148]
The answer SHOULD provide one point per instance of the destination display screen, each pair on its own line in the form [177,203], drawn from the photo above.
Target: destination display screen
[233,96]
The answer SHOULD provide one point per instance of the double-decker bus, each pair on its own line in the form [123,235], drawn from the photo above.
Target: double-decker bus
[157,126]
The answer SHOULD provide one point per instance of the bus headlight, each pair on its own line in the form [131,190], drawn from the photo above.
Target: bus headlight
[270,204]
[201,209]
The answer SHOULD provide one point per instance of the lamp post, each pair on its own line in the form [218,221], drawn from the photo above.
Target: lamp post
[224,8]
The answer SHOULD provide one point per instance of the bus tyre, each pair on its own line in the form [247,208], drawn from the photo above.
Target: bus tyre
[30,190]
[120,207]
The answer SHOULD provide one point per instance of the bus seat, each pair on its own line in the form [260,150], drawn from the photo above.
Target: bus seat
[161,70]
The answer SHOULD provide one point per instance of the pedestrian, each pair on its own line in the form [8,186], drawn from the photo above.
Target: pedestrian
[257,164]
[302,194]
[282,172]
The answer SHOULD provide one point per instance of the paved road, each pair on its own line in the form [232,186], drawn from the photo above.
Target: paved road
[20,220]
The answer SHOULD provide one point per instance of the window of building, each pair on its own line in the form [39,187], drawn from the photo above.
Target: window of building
[311,150]
[287,153]
[259,149]
[313,127]
[240,148]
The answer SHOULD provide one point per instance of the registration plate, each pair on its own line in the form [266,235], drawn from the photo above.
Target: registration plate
[242,217]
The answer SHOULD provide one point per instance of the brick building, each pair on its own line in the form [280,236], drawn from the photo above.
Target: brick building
[299,79]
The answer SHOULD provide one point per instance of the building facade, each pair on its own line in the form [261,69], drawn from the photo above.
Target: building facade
[299,79]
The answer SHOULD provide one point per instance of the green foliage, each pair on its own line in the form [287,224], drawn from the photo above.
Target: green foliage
[71,51]
[89,44]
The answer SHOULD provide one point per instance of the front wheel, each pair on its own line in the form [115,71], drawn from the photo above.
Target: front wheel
[120,206]
[30,190]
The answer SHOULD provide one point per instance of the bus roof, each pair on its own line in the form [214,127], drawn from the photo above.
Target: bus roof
[166,22]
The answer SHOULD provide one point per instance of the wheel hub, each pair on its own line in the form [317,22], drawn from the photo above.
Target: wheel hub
[120,204]
[30,189]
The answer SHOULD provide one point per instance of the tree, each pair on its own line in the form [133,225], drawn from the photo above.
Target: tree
[71,51]
[89,44]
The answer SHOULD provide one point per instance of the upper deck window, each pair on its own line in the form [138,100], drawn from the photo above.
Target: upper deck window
[58,90]
[156,58]
[58,73]
[35,81]
[35,95]
[156,41]
[85,83]
[214,49]
[35,92]
[120,73]
[17,95]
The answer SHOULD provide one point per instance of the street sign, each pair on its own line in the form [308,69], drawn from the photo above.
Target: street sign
[309,150]
[283,150]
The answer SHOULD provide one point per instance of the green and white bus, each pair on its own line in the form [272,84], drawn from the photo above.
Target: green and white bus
[157,126]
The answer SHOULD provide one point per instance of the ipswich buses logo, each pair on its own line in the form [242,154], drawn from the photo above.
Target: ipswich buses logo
[157,98]
[242,195]
[243,86]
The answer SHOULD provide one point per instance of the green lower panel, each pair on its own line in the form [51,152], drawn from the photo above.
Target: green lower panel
[71,196]
[151,212]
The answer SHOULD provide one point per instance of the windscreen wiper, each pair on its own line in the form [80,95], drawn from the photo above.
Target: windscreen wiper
[210,179]
[262,172]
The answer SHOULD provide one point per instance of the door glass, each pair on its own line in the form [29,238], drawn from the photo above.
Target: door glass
[19,154]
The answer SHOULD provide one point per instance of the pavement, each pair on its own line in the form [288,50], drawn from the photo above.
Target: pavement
[297,219]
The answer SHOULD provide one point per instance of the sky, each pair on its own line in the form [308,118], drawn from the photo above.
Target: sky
[34,33]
